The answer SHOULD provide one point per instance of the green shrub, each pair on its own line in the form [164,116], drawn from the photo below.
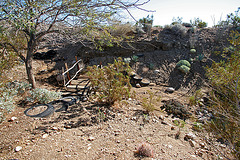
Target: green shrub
[179,30]
[149,103]
[234,19]
[224,78]
[40,95]
[8,94]
[198,23]
[195,99]
[111,83]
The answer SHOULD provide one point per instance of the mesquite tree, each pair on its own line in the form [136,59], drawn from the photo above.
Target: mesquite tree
[30,20]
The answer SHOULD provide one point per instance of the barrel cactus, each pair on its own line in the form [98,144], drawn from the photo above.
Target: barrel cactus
[184,66]
[192,51]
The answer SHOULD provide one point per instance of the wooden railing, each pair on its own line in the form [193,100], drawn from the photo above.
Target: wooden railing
[79,69]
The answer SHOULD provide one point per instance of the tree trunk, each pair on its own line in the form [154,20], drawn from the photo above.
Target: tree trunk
[29,68]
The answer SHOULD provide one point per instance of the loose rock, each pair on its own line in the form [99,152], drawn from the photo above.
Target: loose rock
[13,119]
[170,90]
[190,136]
[18,148]
[138,85]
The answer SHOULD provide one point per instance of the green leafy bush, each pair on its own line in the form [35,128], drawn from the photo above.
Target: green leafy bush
[234,19]
[111,83]
[195,99]
[40,95]
[224,78]
[8,94]
[198,23]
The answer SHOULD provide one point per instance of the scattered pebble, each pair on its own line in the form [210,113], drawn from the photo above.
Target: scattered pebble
[13,119]
[190,135]
[54,128]
[164,122]
[170,89]
[45,136]
[18,148]
[192,143]
[138,85]
[161,117]
[156,71]
[91,138]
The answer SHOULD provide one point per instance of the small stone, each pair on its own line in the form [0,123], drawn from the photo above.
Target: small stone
[170,89]
[202,145]
[89,147]
[91,138]
[54,128]
[151,84]
[138,85]
[170,146]
[67,127]
[156,71]
[129,99]
[118,141]
[13,119]
[161,117]
[164,122]
[199,153]
[192,143]
[222,145]
[190,136]
[84,99]
[45,136]
[134,118]
[18,148]
[172,127]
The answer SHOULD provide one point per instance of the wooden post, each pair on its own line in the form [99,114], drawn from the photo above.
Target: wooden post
[63,76]
[78,63]
[67,72]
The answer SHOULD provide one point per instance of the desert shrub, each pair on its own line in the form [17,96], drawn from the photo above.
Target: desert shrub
[177,20]
[195,98]
[121,30]
[198,23]
[179,30]
[12,92]
[145,21]
[234,19]
[224,78]
[40,95]
[149,103]
[8,93]
[111,83]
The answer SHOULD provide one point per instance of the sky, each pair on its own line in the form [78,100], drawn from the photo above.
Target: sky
[206,10]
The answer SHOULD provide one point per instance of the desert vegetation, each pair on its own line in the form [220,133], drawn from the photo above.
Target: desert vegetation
[200,67]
